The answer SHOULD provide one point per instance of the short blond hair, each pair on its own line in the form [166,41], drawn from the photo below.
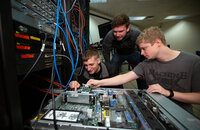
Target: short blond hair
[90,53]
[150,34]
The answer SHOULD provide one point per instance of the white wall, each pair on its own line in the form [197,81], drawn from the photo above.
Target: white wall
[93,26]
[183,35]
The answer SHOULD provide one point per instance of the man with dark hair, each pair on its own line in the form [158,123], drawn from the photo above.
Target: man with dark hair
[122,39]
[172,73]
[93,69]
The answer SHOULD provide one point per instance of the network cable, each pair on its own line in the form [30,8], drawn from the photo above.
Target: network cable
[42,50]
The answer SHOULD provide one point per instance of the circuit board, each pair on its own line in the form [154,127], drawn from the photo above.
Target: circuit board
[107,108]
[101,108]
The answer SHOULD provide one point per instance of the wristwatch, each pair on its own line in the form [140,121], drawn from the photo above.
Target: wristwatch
[171,94]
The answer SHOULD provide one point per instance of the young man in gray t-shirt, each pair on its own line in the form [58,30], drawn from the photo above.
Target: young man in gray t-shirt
[171,73]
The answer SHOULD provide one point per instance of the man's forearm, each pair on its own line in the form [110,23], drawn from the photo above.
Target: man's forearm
[187,97]
[119,79]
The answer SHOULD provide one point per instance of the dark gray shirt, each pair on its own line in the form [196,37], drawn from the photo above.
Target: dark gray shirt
[181,74]
[82,75]
[124,47]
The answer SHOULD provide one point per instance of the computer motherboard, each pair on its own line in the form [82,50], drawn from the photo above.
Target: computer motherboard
[107,108]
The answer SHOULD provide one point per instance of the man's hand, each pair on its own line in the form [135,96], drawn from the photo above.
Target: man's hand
[159,89]
[74,84]
[94,83]
[191,97]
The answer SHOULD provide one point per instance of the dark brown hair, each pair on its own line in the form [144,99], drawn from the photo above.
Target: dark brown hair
[119,20]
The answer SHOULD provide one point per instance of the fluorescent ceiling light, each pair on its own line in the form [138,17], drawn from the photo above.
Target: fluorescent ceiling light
[143,0]
[137,18]
[98,1]
[176,17]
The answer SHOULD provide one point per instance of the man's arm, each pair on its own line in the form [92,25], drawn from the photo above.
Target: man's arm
[77,79]
[114,81]
[191,97]
[107,46]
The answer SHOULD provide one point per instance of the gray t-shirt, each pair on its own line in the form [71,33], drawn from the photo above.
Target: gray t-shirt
[180,74]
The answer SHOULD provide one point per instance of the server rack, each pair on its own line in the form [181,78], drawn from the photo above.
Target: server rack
[22,94]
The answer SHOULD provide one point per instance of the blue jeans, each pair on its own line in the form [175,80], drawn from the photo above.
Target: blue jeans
[133,59]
